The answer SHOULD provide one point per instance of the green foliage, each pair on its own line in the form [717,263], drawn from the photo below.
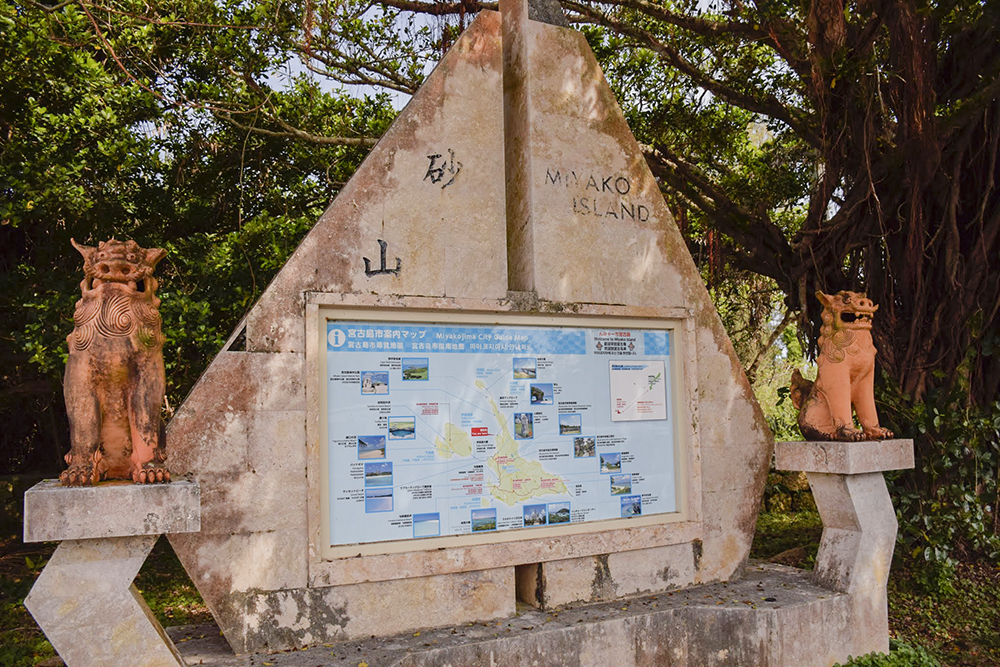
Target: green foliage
[168,590]
[101,139]
[947,507]
[21,642]
[901,654]
[960,627]
[794,534]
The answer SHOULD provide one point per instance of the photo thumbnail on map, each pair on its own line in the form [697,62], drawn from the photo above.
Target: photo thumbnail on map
[371,446]
[374,382]
[402,428]
[524,425]
[378,474]
[611,463]
[558,513]
[585,447]
[525,368]
[378,499]
[621,484]
[570,424]
[415,368]
[535,515]
[427,525]
[484,519]
[541,394]
[631,506]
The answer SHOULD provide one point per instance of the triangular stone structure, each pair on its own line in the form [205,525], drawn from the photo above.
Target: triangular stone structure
[509,184]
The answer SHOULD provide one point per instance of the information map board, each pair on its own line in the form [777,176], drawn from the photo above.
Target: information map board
[456,429]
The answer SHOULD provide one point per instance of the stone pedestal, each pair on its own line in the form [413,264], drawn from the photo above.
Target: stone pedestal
[84,599]
[859,524]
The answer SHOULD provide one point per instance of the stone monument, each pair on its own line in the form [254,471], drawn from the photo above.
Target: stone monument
[491,372]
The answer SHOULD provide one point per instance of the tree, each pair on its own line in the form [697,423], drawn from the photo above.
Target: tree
[112,123]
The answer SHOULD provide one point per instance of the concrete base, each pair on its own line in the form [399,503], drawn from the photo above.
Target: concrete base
[84,599]
[775,617]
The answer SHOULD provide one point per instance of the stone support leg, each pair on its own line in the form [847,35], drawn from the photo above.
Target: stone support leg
[859,531]
[855,552]
[88,608]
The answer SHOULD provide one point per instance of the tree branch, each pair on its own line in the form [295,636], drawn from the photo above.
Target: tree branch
[971,106]
[690,23]
[295,133]
[752,368]
[727,216]
[438,8]
[54,8]
[768,106]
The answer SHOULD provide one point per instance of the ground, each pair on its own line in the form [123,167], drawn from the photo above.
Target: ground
[960,629]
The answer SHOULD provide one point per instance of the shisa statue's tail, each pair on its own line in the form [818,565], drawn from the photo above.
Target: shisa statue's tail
[799,389]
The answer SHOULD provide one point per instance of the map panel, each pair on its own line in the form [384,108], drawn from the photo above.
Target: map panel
[443,430]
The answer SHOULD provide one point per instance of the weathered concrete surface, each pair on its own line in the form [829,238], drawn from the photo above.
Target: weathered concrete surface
[432,190]
[844,458]
[84,599]
[303,617]
[240,432]
[554,583]
[86,605]
[53,512]
[761,621]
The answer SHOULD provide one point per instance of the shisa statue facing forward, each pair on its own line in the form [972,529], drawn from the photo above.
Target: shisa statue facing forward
[115,381]
[845,375]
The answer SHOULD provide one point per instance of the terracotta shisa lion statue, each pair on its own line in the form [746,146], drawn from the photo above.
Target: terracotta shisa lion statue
[845,375]
[115,381]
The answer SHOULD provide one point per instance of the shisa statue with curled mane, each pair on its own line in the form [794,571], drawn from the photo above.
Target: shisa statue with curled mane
[845,375]
[115,381]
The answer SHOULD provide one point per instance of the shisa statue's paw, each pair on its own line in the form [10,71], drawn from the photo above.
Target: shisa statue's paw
[80,475]
[877,433]
[151,475]
[848,434]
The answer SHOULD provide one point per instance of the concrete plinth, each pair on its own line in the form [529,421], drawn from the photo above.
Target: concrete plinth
[859,524]
[53,512]
[775,616]
[84,599]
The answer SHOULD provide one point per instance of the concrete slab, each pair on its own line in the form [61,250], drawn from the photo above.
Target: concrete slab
[739,623]
[53,512]
[844,458]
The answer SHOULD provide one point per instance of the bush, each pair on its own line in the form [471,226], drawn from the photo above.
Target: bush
[900,654]
[947,505]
